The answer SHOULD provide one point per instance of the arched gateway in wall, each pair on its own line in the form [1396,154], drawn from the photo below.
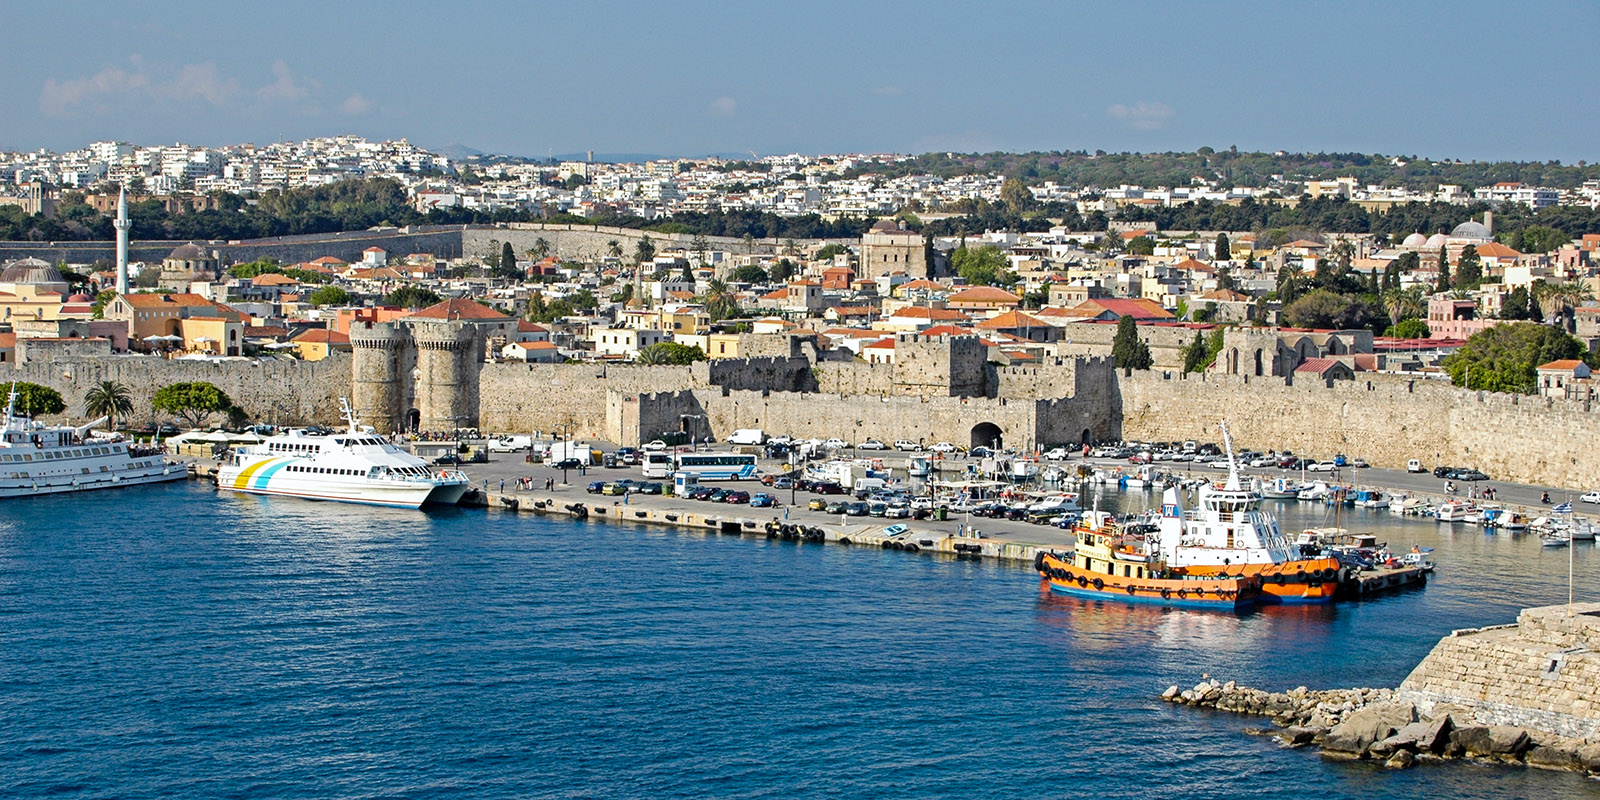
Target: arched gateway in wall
[986,434]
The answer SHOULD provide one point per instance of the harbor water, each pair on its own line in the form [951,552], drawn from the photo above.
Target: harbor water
[173,642]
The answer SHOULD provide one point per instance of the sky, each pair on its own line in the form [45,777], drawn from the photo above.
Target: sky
[1469,79]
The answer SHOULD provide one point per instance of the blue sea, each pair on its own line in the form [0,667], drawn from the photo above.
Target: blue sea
[173,642]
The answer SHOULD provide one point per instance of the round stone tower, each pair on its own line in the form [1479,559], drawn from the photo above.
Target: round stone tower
[376,373]
[447,374]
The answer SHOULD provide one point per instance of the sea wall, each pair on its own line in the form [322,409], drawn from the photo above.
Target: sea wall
[1539,674]
[1386,420]
[271,390]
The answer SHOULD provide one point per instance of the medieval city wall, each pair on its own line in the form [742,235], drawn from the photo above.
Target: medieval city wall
[1384,420]
[441,241]
[853,377]
[277,391]
[1166,343]
[592,242]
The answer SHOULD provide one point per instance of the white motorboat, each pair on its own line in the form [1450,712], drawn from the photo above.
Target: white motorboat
[1555,539]
[1454,511]
[352,466]
[36,458]
[1316,490]
[1280,489]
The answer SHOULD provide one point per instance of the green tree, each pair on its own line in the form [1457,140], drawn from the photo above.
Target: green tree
[782,270]
[1537,239]
[33,398]
[1402,303]
[645,251]
[670,353]
[1444,271]
[721,303]
[623,295]
[1194,354]
[829,251]
[1506,357]
[749,273]
[1408,328]
[1516,304]
[411,297]
[614,249]
[1223,250]
[1016,196]
[194,401]
[330,296]
[1469,270]
[985,266]
[541,248]
[100,299]
[1291,284]
[1320,308]
[508,261]
[1141,246]
[1127,349]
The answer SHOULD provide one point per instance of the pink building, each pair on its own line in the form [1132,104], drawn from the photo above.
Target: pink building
[1455,319]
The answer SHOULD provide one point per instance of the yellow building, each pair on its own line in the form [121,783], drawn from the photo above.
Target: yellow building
[317,344]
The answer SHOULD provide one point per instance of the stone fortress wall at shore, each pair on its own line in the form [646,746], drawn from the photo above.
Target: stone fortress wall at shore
[592,242]
[426,376]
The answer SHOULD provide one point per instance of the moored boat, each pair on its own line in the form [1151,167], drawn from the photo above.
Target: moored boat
[1109,564]
[1281,489]
[37,459]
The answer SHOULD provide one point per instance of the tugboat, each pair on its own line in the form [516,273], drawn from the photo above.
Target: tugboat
[1230,536]
[1110,563]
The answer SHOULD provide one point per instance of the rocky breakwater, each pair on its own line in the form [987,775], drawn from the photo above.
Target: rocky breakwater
[1378,725]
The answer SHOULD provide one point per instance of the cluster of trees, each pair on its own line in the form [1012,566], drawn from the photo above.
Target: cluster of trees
[411,297]
[1127,349]
[194,401]
[541,310]
[1506,358]
[670,353]
[1201,353]
[983,266]
[265,266]
[1230,168]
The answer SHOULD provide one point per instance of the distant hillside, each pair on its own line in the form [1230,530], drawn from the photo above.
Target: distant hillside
[1102,169]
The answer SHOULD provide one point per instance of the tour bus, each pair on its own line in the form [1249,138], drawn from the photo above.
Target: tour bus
[656,463]
[719,466]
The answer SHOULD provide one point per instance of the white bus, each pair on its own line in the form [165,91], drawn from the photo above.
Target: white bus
[656,463]
[719,466]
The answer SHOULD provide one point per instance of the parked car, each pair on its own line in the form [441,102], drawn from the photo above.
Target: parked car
[836,444]
[906,446]
[877,509]
[1414,465]
[568,463]
[836,507]
[702,493]
[1589,497]
[649,487]
[1322,466]
[980,452]
[717,496]
[897,512]
[1442,471]
[856,509]
[762,500]
[827,487]
[783,483]
[943,447]
[595,487]
[1469,475]
[817,504]
[872,444]
[736,497]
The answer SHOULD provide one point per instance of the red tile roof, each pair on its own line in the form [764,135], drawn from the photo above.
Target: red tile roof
[459,308]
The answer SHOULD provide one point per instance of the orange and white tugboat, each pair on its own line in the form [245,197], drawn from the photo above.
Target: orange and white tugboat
[1230,536]
[1111,563]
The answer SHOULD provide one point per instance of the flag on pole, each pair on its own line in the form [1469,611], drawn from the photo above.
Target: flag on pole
[1564,508]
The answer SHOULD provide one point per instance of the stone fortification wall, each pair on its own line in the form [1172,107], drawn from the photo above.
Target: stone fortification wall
[1540,673]
[518,398]
[1094,339]
[853,377]
[442,241]
[1384,420]
[853,418]
[282,392]
[584,242]
[778,374]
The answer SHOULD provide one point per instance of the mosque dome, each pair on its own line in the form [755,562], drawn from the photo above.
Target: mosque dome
[1415,240]
[1436,240]
[186,252]
[1471,230]
[80,298]
[31,271]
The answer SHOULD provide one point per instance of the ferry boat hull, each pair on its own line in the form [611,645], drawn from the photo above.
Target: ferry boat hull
[1229,594]
[11,488]
[36,458]
[399,495]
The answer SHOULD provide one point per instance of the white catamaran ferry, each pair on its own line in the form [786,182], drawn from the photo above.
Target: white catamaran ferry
[353,466]
[36,458]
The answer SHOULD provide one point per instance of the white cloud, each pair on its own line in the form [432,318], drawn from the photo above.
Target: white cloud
[356,104]
[284,87]
[724,106]
[203,81]
[61,97]
[1142,115]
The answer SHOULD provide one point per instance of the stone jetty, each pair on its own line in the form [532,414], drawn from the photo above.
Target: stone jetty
[1514,694]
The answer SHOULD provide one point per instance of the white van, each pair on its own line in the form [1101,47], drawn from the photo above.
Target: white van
[748,436]
[510,444]
[1414,465]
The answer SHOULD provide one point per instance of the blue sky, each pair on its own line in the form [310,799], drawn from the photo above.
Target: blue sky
[1467,79]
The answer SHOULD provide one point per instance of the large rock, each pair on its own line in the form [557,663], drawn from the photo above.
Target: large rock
[1363,727]
[1589,756]
[1492,741]
[1552,757]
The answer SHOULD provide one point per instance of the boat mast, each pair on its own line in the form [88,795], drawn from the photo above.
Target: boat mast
[1233,466]
[349,414]
[11,406]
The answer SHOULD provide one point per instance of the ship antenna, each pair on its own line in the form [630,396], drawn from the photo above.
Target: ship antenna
[1233,466]
[349,414]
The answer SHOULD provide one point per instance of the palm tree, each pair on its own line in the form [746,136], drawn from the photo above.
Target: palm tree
[720,300]
[108,399]
[614,248]
[541,248]
[1404,303]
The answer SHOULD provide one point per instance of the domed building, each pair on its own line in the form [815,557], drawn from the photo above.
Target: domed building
[186,264]
[1415,240]
[1471,232]
[31,288]
[1435,242]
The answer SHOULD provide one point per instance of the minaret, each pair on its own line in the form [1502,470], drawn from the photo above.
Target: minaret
[121,224]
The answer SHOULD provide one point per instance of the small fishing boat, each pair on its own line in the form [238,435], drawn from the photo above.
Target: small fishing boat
[1454,511]
[1370,498]
[1280,489]
[1316,490]
[1555,539]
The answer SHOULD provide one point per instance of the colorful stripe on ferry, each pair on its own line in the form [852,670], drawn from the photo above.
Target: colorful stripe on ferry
[257,475]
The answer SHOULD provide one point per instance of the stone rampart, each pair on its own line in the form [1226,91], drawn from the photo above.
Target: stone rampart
[1094,339]
[1539,674]
[592,242]
[271,390]
[853,377]
[441,241]
[1385,420]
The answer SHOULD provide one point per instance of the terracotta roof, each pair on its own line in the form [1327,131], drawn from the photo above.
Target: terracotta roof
[1012,319]
[1306,244]
[274,279]
[930,314]
[947,330]
[1565,365]
[181,300]
[921,283]
[1226,296]
[1496,250]
[1138,308]
[1131,235]
[886,343]
[459,308]
[983,294]
[322,336]
[1191,264]
[524,326]
[1316,366]
[780,294]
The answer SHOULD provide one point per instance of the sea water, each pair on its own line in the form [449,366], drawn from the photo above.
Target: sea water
[174,642]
